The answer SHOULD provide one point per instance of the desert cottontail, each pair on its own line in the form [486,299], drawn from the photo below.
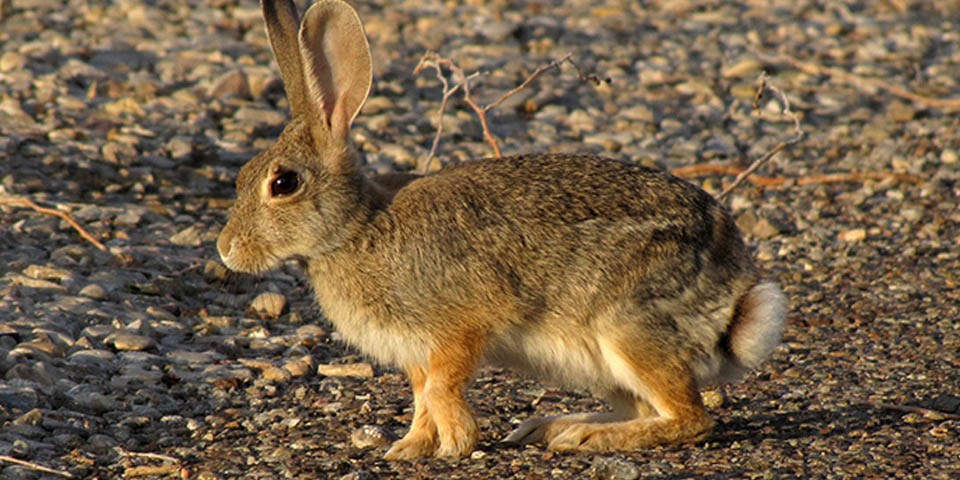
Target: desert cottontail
[585,271]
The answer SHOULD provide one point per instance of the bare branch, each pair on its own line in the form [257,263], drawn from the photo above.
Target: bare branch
[702,169]
[35,466]
[462,82]
[926,412]
[764,86]
[26,202]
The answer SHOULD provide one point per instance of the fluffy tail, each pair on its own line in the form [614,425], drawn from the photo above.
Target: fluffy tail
[755,330]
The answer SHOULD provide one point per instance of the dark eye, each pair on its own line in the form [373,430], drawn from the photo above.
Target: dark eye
[285,183]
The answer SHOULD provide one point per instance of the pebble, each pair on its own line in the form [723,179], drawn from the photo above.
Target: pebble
[122,340]
[853,235]
[231,84]
[371,436]
[188,237]
[300,366]
[11,61]
[269,305]
[18,397]
[607,468]
[949,156]
[363,370]
[89,399]
[94,291]
[102,359]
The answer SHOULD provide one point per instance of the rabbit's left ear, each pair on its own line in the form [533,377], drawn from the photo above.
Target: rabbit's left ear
[336,63]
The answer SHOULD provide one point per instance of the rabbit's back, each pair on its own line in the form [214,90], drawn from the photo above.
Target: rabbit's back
[561,223]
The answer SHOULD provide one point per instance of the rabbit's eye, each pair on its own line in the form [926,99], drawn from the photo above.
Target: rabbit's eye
[285,183]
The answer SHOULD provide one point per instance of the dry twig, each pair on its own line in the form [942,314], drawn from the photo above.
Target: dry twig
[702,169]
[150,470]
[765,85]
[26,202]
[171,464]
[926,412]
[147,455]
[462,82]
[858,81]
[35,466]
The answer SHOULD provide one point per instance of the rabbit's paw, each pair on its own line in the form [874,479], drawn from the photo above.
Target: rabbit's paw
[411,448]
[459,441]
[530,431]
[584,437]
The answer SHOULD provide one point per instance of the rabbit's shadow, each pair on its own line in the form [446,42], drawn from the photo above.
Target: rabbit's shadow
[807,423]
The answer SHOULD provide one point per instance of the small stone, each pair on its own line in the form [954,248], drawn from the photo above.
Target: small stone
[763,229]
[37,372]
[301,366]
[901,112]
[86,398]
[641,113]
[269,305]
[712,398]
[854,235]
[949,156]
[180,147]
[11,61]
[100,359]
[364,370]
[615,469]
[128,341]
[21,398]
[215,271]
[742,68]
[275,374]
[260,116]
[119,153]
[231,84]
[124,106]
[94,291]
[361,475]
[43,272]
[371,436]
[188,237]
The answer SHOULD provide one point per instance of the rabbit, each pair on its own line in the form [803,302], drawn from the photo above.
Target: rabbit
[580,270]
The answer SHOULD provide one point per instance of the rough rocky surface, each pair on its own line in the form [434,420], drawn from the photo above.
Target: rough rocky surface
[135,117]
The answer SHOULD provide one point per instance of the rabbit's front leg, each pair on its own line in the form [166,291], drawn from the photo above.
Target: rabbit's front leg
[421,440]
[451,367]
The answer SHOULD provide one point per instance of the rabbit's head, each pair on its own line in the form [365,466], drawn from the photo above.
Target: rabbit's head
[300,197]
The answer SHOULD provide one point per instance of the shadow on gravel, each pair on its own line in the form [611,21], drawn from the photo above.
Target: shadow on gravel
[813,423]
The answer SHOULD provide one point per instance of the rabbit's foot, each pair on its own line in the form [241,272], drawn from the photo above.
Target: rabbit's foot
[631,435]
[412,447]
[547,428]
[458,439]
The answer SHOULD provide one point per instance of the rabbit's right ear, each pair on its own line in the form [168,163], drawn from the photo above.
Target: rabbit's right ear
[282,22]
[337,68]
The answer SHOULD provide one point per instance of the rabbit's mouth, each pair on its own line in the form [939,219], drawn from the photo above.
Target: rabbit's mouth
[243,257]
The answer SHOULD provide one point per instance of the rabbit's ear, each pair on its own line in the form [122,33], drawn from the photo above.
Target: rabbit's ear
[280,17]
[336,63]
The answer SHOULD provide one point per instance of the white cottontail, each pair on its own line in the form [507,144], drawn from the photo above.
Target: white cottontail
[585,271]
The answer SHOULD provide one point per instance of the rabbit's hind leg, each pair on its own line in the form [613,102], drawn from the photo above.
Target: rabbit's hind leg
[665,383]
[421,440]
[545,429]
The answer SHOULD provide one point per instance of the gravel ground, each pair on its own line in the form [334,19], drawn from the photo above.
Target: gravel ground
[135,117]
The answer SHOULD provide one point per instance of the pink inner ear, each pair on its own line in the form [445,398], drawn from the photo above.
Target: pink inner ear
[337,58]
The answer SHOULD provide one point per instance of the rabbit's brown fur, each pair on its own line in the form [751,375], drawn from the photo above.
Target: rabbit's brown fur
[585,271]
